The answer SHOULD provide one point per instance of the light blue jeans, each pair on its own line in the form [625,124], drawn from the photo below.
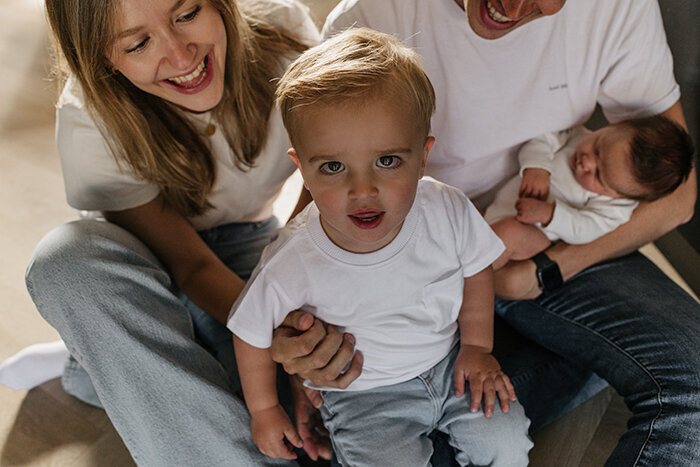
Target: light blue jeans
[163,369]
[391,425]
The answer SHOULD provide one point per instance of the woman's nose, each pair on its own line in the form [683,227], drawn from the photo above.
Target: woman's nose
[179,52]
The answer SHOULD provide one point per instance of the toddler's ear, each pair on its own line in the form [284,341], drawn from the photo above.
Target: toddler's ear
[429,141]
[293,154]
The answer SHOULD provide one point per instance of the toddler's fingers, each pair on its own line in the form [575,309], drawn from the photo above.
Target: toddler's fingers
[459,378]
[489,398]
[509,388]
[278,449]
[293,437]
[476,389]
[502,392]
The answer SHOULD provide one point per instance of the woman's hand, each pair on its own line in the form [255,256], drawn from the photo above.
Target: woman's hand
[309,424]
[305,347]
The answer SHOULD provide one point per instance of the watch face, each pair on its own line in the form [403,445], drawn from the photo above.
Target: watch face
[549,277]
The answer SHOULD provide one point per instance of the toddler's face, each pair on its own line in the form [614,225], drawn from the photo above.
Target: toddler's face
[602,164]
[361,161]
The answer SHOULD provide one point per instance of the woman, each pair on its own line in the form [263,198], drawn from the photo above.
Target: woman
[166,126]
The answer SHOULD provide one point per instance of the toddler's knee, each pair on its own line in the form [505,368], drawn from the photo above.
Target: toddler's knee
[516,443]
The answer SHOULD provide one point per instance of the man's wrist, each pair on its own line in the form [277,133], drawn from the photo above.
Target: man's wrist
[548,273]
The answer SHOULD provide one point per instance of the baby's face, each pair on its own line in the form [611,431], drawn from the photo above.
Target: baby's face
[361,162]
[602,164]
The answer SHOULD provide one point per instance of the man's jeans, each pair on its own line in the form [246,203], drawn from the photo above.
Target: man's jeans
[630,324]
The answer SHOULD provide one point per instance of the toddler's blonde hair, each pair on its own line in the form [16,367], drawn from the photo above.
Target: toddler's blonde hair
[356,64]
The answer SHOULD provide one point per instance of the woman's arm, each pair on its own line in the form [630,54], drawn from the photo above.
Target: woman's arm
[648,222]
[196,270]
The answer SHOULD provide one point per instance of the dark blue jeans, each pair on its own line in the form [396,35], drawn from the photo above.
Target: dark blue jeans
[629,323]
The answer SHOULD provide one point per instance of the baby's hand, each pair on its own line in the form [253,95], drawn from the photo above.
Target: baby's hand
[532,211]
[480,368]
[269,428]
[535,184]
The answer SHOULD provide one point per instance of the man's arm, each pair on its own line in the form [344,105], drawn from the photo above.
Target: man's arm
[648,222]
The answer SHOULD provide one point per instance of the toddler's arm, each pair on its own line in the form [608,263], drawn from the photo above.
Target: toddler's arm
[474,362]
[269,424]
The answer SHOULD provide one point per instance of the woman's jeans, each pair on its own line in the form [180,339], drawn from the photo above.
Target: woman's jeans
[163,369]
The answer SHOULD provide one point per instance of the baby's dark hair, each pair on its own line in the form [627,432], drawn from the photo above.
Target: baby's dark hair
[662,155]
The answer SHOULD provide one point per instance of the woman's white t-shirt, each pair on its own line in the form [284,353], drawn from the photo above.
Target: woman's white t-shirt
[95,182]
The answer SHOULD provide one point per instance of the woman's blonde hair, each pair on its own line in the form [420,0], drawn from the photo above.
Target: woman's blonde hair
[358,63]
[153,137]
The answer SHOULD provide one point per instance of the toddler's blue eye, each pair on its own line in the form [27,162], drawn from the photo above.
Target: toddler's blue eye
[332,167]
[388,162]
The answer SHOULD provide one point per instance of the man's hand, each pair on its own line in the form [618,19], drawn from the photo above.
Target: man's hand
[305,347]
[482,371]
[535,184]
[532,211]
[309,423]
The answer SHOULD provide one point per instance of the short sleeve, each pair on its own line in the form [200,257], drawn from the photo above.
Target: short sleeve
[378,15]
[638,76]
[259,309]
[295,18]
[93,180]
[476,243]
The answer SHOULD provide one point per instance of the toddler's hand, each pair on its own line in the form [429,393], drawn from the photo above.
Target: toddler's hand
[535,184]
[477,366]
[269,428]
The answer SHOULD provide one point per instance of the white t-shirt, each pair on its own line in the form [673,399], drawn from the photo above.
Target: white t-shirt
[494,95]
[94,181]
[400,302]
[580,216]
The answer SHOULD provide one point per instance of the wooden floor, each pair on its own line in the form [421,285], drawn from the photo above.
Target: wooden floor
[45,426]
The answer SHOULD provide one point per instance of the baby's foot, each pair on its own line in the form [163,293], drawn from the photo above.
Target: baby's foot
[34,365]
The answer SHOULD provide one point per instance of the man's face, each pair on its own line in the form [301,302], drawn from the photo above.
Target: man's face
[492,19]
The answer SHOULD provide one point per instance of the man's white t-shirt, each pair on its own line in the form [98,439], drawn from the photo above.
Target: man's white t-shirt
[580,216]
[400,302]
[547,75]
[95,182]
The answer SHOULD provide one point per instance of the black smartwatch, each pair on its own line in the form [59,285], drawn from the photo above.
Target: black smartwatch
[548,273]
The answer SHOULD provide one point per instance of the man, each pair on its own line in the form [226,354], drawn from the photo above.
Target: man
[516,69]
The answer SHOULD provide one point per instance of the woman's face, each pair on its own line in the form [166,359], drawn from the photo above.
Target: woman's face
[173,49]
